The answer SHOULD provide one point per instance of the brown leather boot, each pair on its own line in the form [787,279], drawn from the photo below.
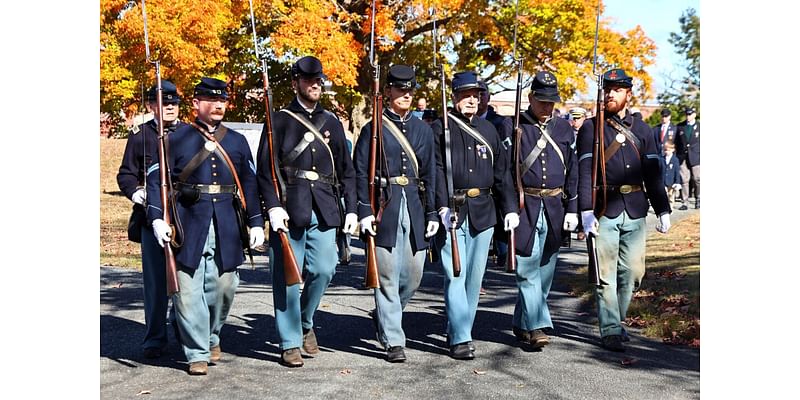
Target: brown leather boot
[292,358]
[310,342]
[216,353]
[539,339]
[198,368]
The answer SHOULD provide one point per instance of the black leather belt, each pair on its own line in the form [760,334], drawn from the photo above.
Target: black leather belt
[293,173]
[399,180]
[472,192]
[209,189]
[539,192]
[624,189]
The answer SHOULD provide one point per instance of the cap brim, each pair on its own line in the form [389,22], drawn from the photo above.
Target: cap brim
[552,98]
[467,87]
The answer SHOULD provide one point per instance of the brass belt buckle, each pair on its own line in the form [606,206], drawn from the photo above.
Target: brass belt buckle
[625,189]
[312,175]
[474,192]
[214,189]
[402,180]
[545,192]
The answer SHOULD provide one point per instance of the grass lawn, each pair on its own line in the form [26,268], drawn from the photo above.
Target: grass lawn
[115,208]
[667,305]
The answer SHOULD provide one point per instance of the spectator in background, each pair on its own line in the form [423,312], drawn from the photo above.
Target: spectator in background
[576,117]
[672,170]
[665,131]
[687,148]
[429,115]
[422,105]
[636,112]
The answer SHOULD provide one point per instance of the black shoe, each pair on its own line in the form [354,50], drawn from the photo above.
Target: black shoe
[395,354]
[613,343]
[462,351]
[152,352]
[522,335]
[683,207]
[697,204]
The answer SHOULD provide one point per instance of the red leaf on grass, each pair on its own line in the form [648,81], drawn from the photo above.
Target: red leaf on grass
[629,361]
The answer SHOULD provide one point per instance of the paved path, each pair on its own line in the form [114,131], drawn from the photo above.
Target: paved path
[352,364]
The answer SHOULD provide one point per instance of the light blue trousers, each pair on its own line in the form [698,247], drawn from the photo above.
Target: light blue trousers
[154,288]
[461,294]
[399,274]
[534,278]
[203,303]
[314,246]
[621,253]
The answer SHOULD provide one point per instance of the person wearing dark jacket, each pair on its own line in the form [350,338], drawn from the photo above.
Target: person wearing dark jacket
[687,148]
[141,151]
[313,161]
[406,172]
[479,170]
[205,160]
[632,183]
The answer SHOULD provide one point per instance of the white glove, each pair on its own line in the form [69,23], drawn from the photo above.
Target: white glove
[139,196]
[445,215]
[663,223]
[278,218]
[162,232]
[433,227]
[256,237]
[366,225]
[676,186]
[350,223]
[511,221]
[590,223]
[570,222]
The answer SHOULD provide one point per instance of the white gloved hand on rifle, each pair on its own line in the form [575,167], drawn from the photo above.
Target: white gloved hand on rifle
[511,221]
[350,223]
[138,196]
[278,218]
[590,223]
[445,215]
[257,236]
[162,232]
[367,225]
[431,230]
[570,222]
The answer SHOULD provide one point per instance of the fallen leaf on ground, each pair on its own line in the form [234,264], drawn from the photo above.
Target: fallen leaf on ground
[345,371]
[143,392]
[119,285]
[478,372]
[629,361]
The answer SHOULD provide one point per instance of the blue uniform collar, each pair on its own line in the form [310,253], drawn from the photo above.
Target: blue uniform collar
[396,118]
[297,107]
[464,118]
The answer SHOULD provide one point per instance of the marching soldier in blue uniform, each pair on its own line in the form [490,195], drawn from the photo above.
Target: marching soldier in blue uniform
[311,153]
[480,169]
[212,168]
[407,165]
[633,177]
[687,148]
[141,151]
[549,175]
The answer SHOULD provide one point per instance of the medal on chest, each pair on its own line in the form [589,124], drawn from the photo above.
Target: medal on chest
[481,151]
[327,135]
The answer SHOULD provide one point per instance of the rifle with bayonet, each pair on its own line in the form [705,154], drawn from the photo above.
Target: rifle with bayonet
[598,164]
[511,264]
[371,278]
[451,200]
[166,179]
[291,271]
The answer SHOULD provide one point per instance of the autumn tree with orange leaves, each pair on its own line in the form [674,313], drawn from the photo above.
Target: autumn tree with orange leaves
[214,38]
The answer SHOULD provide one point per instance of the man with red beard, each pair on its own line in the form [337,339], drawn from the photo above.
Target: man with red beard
[633,181]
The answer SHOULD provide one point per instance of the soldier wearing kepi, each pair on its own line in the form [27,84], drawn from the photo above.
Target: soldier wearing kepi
[407,165]
[141,150]
[311,153]
[687,148]
[479,169]
[549,175]
[633,176]
[213,172]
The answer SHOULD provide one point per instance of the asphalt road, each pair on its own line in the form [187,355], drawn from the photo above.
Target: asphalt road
[352,365]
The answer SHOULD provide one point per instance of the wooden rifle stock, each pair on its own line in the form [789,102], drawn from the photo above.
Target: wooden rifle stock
[166,185]
[371,278]
[291,270]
